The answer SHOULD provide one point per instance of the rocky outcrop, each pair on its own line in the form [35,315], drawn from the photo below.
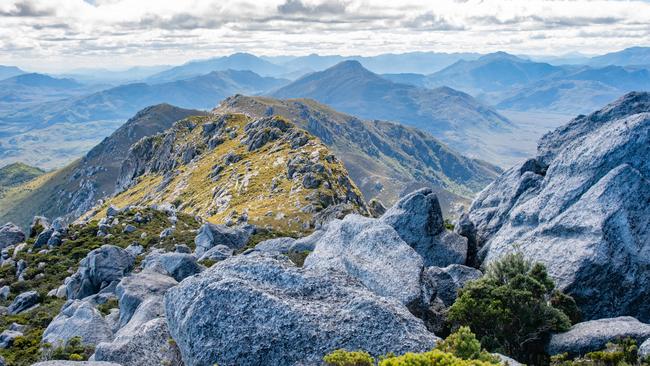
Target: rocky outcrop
[444,283]
[78,318]
[24,301]
[595,334]
[144,340]
[176,265]
[136,288]
[261,309]
[100,269]
[644,350]
[373,253]
[418,219]
[210,235]
[581,208]
[10,234]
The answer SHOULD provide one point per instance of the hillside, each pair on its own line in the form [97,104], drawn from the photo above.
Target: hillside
[385,159]
[75,188]
[9,71]
[626,57]
[15,174]
[231,168]
[450,115]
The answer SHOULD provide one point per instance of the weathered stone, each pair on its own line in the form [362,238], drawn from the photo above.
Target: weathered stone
[257,309]
[4,292]
[644,350]
[10,234]
[376,208]
[210,235]
[176,265]
[444,283]
[594,335]
[7,338]
[43,237]
[129,228]
[417,218]
[23,302]
[144,341]
[276,245]
[135,249]
[55,239]
[78,318]
[372,252]
[217,253]
[39,223]
[581,208]
[101,267]
[112,211]
[134,289]
[182,248]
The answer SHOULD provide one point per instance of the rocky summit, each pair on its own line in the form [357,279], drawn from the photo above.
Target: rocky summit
[581,207]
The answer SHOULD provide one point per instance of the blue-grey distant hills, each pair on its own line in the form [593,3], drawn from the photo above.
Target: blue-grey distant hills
[237,61]
[627,57]
[123,101]
[510,82]
[451,115]
[9,71]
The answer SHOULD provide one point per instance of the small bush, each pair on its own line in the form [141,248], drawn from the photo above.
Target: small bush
[510,309]
[463,344]
[619,353]
[432,358]
[341,357]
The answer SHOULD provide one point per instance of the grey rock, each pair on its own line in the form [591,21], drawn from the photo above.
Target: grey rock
[444,283]
[595,334]
[43,238]
[75,363]
[258,309]
[78,318]
[4,292]
[59,225]
[276,245]
[376,208]
[7,338]
[372,252]
[55,239]
[2,361]
[134,289]
[112,211]
[129,228]
[507,361]
[10,234]
[307,243]
[177,265]
[581,208]
[23,302]
[418,219]
[135,249]
[17,327]
[166,232]
[210,235]
[182,248]
[101,267]
[144,341]
[644,350]
[217,253]
[465,227]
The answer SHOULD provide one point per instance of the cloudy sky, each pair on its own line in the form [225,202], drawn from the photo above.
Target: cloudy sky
[54,35]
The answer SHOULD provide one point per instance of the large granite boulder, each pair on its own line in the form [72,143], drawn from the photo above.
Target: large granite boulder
[10,234]
[372,252]
[210,235]
[581,207]
[7,337]
[176,265]
[144,340]
[24,301]
[101,268]
[595,334]
[418,220]
[78,318]
[644,350]
[260,309]
[136,288]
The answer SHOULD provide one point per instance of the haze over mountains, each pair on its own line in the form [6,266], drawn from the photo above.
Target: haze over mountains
[38,110]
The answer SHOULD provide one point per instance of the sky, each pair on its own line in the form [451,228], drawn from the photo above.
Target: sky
[57,35]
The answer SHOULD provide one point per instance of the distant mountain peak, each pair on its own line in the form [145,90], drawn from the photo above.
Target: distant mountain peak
[500,55]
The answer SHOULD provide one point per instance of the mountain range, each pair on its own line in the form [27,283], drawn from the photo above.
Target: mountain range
[454,117]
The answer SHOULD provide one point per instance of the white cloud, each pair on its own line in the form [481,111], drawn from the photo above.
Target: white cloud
[59,33]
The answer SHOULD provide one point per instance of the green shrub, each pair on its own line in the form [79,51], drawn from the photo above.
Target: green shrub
[510,309]
[619,353]
[463,344]
[341,357]
[73,350]
[432,358]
